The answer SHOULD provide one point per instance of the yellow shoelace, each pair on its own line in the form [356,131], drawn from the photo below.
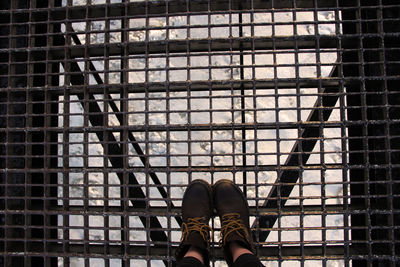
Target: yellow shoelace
[231,222]
[195,225]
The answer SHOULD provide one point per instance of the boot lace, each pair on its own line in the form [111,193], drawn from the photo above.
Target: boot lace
[231,222]
[195,225]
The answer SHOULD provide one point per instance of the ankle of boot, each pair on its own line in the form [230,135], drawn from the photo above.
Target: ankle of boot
[245,242]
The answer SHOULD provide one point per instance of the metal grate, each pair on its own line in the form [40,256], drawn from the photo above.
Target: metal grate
[109,108]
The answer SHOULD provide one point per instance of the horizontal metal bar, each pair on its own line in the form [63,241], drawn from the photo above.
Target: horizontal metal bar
[216,127]
[154,8]
[213,85]
[161,251]
[199,127]
[186,46]
[235,168]
[176,211]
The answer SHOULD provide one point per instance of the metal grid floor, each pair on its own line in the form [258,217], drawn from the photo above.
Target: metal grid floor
[109,108]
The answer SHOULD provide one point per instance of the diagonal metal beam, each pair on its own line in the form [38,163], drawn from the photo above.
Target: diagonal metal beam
[298,156]
[135,193]
[131,137]
[96,118]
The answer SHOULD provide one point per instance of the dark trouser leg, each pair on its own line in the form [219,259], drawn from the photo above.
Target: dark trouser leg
[247,260]
[190,262]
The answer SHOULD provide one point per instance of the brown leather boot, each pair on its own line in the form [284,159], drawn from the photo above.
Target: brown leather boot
[233,211]
[196,212]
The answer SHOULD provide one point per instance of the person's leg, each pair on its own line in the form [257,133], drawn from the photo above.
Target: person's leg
[195,253]
[246,260]
[233,211]
[196,212]
[242,257]
[190,262]
[238,250]
[192,258]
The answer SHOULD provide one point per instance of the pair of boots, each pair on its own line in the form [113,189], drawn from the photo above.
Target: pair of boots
[199,201]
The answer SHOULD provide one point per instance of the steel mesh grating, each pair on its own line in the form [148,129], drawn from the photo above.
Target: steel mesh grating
[109,108]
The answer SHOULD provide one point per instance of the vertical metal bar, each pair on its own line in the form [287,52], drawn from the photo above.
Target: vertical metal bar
[169,203]
[29,221]
[343,132]
[188,102]
[85,104]
[15,166]
[242,104]
[277,136]
[299,118]
[210,94]
[147,134]
[356,105]
[386,132]
[255,119]
[320,132]
[106,178]
[125,231]
[52,79]
[65,137]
